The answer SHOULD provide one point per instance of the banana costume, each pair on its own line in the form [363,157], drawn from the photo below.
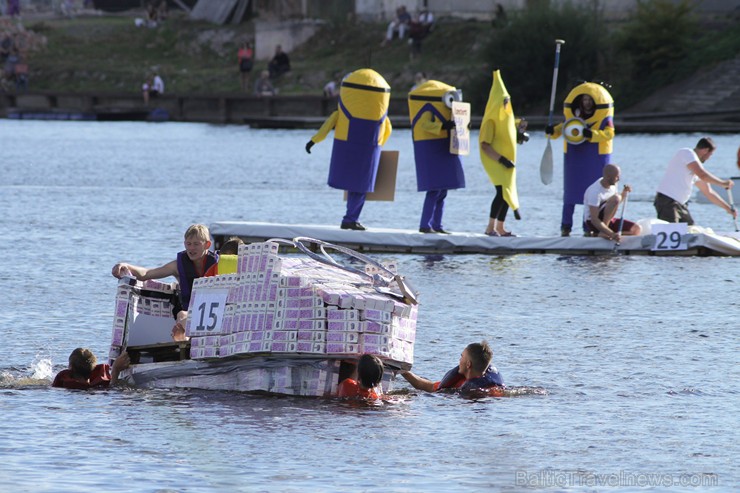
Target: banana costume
[585,157]
[437,170]
[499,130]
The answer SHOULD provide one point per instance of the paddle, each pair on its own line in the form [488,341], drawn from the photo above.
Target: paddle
[621,222]
[546,163]
[731,201]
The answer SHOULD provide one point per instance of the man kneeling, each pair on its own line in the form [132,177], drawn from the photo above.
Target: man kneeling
[600,204]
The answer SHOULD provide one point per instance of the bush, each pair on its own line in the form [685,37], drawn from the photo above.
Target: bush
[524,50]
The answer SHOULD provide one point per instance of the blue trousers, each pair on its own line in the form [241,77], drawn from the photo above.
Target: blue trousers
[434,208]
[567,219]
[355,203]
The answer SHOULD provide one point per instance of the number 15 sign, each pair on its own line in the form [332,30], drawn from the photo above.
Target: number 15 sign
[669,237]
[207,311]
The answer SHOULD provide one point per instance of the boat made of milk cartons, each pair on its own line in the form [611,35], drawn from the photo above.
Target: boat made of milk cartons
[283,323]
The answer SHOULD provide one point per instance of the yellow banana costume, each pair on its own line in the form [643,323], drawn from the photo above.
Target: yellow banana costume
[499,131]
[361,126]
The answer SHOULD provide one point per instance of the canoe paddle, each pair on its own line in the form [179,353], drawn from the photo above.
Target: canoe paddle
[546,163]
[621,222]
[731,201]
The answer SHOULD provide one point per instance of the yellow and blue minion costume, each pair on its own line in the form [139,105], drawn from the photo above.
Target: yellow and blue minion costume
[437,169]
[587,144]
[361,126]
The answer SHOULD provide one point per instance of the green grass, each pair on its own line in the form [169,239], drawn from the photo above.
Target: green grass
[111,54]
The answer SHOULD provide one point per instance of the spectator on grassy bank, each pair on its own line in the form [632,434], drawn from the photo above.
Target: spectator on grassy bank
[280,63]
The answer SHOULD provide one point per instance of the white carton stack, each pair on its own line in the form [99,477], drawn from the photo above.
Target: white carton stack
[129,301]
[298,305]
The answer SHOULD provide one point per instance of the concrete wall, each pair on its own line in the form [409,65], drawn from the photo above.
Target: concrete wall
[288,34]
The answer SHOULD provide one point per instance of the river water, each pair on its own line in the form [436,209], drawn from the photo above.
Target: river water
[634,359]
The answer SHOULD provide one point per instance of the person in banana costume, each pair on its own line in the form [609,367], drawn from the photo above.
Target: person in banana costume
[437,169]
[361,127]
[588,133]
[499,134]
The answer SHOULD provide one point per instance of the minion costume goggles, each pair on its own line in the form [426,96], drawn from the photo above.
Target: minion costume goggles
[447,98]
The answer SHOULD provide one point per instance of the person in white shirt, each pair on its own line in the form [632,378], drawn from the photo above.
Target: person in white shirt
[685,170]
[600,203]
[157,86]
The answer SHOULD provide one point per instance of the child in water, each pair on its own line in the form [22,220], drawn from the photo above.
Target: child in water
[369,374]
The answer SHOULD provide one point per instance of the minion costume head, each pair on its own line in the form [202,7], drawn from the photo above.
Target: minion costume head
[599,118]
[430,108]
[588,132]
[498,129]
[361,128]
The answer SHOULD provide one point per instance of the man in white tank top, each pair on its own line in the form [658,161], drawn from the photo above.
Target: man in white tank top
[685,170]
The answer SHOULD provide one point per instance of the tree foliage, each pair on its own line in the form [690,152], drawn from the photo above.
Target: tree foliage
[524,50]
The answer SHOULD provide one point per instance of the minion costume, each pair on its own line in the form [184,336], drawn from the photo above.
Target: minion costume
[587,144]
[499,130]
[361,126]
[437,170]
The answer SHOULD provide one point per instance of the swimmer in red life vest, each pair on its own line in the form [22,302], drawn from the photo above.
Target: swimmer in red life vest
[369,374]
[84,372]
[475,371]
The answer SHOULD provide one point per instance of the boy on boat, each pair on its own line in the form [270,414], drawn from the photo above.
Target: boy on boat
[473,372]
[191,263]
[84,373]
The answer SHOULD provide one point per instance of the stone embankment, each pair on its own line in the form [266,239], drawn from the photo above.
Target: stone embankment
[707,102]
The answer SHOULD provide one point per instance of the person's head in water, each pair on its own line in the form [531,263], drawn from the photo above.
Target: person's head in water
[475,359]
[82,362]
[369,371]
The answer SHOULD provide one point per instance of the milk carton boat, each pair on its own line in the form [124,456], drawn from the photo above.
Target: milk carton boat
[283,323]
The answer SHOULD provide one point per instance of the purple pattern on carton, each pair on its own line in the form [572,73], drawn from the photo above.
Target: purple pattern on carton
[121,308]
[284,335]
[342,348]
[339,314]
[342,337]
[117,339]
[283,346]
[344,325]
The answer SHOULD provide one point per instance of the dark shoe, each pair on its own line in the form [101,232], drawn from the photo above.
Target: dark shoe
[353,225]
[492,233]
[507,233]
[564,231]
[426,230]
[442,231]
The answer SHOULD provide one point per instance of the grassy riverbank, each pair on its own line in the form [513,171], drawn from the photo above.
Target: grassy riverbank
[109,53]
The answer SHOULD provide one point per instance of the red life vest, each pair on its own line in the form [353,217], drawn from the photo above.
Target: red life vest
[99,378]
[350,388]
